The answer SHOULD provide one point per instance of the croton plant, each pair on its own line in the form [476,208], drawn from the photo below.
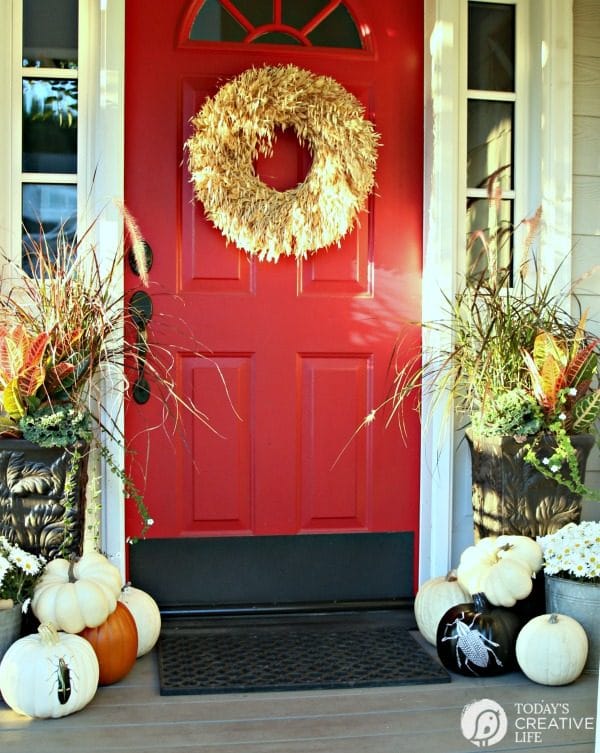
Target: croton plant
[64,328]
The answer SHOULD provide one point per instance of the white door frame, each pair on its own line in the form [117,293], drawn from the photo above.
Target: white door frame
[442,223]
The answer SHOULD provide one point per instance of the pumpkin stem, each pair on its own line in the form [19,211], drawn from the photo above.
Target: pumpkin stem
[553,619]
[480,602]
[71,573]
[48,634]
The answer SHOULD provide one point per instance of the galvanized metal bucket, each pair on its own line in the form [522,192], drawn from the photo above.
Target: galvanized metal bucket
[581,601]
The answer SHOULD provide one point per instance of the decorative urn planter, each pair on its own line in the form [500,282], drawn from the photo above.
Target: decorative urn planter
[42,498]
[511,497]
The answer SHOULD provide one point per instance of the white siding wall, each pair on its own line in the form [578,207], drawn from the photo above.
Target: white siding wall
[586,176]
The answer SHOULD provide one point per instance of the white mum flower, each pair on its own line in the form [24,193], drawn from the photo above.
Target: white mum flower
[31,564]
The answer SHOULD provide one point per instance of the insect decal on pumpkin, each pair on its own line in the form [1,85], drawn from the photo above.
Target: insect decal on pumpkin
[63,681]
[475,648]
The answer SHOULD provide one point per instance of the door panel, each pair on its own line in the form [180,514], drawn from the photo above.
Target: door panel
[302,347]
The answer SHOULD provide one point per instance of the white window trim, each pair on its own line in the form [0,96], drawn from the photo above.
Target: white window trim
[445,513]
[100,178]
[5,125]
[107,157]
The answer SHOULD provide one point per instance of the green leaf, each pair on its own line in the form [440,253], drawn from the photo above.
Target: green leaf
[583,366]
[585,412]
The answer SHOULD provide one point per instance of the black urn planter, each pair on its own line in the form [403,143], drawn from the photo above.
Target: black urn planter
[42,499]
[511,497]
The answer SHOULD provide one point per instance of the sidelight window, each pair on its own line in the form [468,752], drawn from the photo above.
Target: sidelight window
[491,102]
[49,85]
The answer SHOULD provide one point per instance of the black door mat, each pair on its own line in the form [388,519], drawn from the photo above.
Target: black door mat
[310,652]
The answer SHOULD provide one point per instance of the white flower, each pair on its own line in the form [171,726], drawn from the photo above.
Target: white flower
[572,391]
[573,550]
[562,416]
[31,564]
[555,468]
[546,461]
[4,568]
[18,571]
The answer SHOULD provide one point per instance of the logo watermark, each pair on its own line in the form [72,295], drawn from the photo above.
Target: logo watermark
[485,723]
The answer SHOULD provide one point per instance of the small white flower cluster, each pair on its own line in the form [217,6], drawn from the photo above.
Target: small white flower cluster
[18,569]
[573,551]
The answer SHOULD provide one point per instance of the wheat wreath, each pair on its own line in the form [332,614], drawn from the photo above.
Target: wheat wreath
[239,123]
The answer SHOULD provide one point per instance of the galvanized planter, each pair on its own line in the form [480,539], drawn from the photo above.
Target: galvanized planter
[581,601]
[10,627]
[511,496]
[42,504]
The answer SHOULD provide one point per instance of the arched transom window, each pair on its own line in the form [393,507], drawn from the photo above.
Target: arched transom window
[318,23]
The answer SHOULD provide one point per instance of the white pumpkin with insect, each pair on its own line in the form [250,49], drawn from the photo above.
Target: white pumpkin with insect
[146,614]
[50,674]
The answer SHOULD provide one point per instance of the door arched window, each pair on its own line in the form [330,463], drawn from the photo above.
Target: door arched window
[310,23]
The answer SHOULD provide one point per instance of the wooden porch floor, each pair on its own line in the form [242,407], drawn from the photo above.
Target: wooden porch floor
[131,716]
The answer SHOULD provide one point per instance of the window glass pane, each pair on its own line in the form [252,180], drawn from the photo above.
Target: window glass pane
[489,143]
[49,125]
[337,30]
[214,24]
[49,217]
[276,37]
[298,14]
[258,12]
[491,47]
[50,33]
[489,236]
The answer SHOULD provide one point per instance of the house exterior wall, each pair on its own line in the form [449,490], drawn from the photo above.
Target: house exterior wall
[586,178]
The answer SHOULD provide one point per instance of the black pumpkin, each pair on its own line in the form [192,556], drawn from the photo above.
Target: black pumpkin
[476,639]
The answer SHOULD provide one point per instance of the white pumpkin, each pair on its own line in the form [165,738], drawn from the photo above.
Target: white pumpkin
[500,567]
[507,582]
[552,649]
[474,561]
[521,548]
[433,600]
[50,674]
[74,595]
[146,614]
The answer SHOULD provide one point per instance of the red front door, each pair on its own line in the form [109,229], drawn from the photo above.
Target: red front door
[303,347]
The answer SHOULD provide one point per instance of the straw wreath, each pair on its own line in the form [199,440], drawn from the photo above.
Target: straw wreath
[239,123]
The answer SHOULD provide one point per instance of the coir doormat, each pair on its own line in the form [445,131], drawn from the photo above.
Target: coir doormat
[239,657]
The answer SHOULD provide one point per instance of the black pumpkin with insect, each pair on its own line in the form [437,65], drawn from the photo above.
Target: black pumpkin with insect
[477,639]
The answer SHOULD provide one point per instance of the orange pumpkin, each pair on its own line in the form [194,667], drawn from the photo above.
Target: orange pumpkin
[115,643]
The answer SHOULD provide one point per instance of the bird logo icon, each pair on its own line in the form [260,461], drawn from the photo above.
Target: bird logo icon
[483,722]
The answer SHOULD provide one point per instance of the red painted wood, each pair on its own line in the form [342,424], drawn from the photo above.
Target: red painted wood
[304,348]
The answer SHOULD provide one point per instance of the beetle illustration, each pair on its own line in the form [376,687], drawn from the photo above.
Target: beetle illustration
[63,680]
[475,647]
[477,638]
